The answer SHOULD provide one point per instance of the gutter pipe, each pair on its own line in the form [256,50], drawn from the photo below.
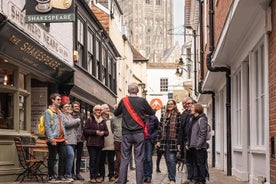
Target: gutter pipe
[201,82]
[227,71]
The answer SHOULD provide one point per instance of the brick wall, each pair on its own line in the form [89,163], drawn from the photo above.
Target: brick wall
[272,89]
[221,10]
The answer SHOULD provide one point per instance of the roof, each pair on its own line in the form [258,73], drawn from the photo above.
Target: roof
[137,56]
[102,17]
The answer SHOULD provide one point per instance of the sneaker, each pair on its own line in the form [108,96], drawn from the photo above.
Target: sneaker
[52,180]
[74,177]
[61,179]
[69,179]
[93,181]
[79,177]
[100,180]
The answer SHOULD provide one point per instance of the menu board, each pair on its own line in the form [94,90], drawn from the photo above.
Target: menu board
[39,105]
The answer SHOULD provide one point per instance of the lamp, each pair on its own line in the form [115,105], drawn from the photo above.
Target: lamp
[143,86]
[5,80]
[181,67]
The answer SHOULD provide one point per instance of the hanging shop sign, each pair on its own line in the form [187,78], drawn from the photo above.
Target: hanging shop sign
[49,11]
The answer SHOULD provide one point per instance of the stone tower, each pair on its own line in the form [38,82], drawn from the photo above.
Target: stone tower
[146,25]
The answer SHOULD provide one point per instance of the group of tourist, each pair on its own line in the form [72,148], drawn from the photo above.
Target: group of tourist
[112,138]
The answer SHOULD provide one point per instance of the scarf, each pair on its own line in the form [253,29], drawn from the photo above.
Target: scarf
[169,124]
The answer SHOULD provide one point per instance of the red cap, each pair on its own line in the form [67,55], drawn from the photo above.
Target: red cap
[65,99]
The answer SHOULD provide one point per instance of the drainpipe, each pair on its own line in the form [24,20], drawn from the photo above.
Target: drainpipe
[213,153]
[195,63]
[227,70]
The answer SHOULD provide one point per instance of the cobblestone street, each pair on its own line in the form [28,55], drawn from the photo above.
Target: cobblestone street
[216,177]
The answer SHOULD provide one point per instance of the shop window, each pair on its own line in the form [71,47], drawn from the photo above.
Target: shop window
[6,77]
[6,111]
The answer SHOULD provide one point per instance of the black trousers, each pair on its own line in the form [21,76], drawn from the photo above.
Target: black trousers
[78,155]
[53,150]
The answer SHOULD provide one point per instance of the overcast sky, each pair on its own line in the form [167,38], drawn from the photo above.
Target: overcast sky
[178,20]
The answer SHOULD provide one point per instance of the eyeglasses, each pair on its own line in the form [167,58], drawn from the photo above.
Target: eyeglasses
[98,109]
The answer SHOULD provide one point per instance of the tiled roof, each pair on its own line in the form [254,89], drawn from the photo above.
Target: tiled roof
[137,56]
[101,16]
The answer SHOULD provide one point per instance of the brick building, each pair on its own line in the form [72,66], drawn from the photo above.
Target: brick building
[236,82]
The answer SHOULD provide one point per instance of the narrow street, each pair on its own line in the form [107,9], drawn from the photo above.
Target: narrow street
[216,177]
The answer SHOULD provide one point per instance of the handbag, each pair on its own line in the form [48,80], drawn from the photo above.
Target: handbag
[135,116]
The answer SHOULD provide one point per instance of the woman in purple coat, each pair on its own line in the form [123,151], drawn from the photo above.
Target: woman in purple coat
[95,130]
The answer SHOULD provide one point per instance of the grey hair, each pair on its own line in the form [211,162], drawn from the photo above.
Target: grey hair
[133,88]
[98,106]
[104,106]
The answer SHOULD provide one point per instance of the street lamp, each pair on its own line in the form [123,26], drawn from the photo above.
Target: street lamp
[181,68]
[143,86]
[195,63]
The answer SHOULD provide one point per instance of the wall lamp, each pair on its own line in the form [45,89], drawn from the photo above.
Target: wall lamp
[181,67]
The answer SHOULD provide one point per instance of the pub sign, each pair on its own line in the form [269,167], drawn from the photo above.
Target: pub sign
[49,11]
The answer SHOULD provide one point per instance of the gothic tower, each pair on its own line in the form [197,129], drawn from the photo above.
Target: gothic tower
[147,23]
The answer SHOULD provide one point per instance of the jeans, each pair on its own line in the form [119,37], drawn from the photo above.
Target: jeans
[148,159]
[171,163]
[69,160]
[94,160]
[127,141]
[190,163]
[53,150]
[78,154]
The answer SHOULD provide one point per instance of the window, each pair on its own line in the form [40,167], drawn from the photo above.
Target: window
[164,84]
[147,1]
[6,111]
[104,66]
[80,37]
[237,107]
[97,64]
[94,51]
[14,95]
[6,77]
[257,62]
[90,54]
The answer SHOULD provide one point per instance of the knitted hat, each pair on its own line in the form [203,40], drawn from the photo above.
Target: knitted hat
[65,100]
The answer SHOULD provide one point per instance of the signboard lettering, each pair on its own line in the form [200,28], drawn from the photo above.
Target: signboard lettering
[50,11]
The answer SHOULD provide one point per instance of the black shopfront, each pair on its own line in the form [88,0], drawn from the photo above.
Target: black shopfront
[28,74]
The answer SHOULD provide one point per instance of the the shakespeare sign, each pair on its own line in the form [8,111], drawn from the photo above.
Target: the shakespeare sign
[49,11]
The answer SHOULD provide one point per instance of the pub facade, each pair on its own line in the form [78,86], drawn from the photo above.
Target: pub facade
[37,59]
